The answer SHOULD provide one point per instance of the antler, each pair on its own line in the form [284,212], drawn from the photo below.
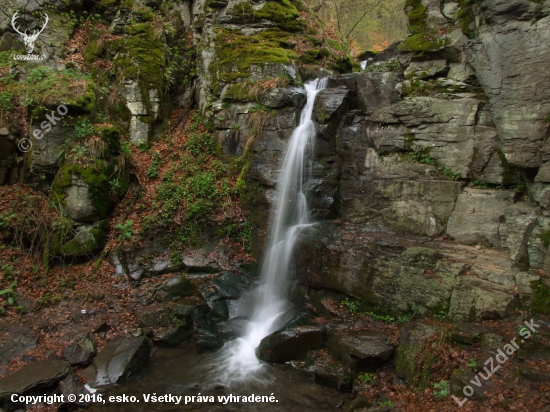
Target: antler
[37,32]
[13,19]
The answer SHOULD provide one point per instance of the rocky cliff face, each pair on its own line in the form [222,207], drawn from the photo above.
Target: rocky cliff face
[440,167]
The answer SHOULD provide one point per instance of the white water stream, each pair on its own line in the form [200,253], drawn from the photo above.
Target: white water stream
[289,215]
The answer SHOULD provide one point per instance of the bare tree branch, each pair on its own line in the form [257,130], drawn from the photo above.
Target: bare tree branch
[337,16]
[358,21]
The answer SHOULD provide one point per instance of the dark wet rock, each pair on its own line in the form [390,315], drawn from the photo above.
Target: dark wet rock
[277,98]
[221,291]
[205,332]
[467,333]
[174,335]
[87,342]
[329,105]
[154,315]
[462,377]
[39,374]
[120,358]
[176,288]
[363,350]
[71,385]
[536,346]
[76,355]
[101,327]
[183,309]
[21,340]
[328,371]
[358,403]
[534,375]
[293,341]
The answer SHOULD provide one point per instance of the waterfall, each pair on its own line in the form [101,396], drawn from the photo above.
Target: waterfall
[289,215]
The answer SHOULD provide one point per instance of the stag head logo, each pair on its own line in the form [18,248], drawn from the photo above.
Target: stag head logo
[28,39]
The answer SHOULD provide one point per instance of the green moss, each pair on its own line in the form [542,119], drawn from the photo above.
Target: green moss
[97,178]
[94,48]
[466,16]
[85,101]
[540,302]
[545,238]
[424,42]
[310,56]
[282,13]
[236,53]
[141,56]
[416,87]
[409,140]
[238,92]
[97,240]
[111,136]
[417,14]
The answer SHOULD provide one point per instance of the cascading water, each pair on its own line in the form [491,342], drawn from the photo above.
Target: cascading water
[288,217]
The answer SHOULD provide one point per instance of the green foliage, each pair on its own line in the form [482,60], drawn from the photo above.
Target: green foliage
[466,16]
[83,129]
[473,364]
[540,302]
[45,85]
[156,163]
[423,158]
[479,185]
[126,230]
[441,389]
[6,101]
[357,306]
[9,295]
[367,378]
[448,172]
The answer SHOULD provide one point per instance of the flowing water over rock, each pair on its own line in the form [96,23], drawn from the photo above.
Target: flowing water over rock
[288,217]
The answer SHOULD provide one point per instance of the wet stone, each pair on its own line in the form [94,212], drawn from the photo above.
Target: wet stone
[39,374]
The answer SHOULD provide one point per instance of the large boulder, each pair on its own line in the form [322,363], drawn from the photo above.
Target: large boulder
[120,358]
[363,350]
[291,343]
[39,374]
[21,339]
[327,371]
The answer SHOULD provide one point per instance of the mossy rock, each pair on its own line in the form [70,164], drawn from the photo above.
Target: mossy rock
[179,287]
[424,42]
[418,14]
[540,302]
[237,54]
[97,177]
[280,12]
[88,240]
[237,92]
